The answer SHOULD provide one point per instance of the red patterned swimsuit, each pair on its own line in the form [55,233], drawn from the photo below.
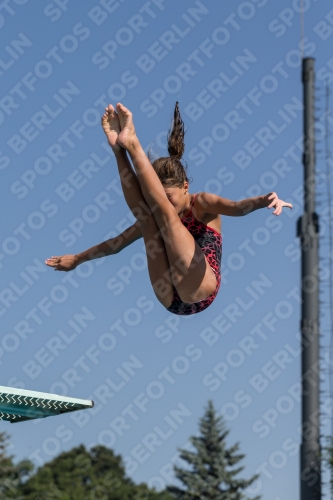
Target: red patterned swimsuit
[210,241]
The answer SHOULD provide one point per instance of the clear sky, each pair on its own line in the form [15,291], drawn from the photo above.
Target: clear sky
[99,332]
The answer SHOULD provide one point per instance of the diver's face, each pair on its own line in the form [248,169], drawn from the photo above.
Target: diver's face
[178,196]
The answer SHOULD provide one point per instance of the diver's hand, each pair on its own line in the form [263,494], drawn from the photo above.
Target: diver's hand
[272,200]
[63,263]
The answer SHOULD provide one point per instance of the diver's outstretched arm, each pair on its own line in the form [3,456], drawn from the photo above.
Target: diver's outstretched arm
[112,246]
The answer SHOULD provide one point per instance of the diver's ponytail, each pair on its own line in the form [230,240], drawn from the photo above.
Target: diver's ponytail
[176,144]
[170,169]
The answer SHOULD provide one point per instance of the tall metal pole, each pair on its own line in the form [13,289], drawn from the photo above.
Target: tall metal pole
[308,231]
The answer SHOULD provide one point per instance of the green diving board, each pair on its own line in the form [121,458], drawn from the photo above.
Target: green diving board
[17,405]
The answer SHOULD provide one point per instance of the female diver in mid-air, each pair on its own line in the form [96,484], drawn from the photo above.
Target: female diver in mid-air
[181,231]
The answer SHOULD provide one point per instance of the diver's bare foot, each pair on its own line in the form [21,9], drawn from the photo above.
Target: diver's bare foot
[127,137]
[111,127]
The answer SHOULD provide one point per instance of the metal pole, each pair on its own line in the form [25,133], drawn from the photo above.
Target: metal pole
[308,231]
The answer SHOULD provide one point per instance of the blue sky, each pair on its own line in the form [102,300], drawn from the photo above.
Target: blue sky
[99,332]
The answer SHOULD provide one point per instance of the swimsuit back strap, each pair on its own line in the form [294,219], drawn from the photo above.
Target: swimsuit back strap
[193,200]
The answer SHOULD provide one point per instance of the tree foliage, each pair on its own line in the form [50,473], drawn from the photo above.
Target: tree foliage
[327,457]
[212,472]
[213,467]
[11,476]
[79,474]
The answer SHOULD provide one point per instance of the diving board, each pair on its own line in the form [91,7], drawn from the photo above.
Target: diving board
[17,405]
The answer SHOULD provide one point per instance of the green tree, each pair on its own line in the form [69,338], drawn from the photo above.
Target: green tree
[327,458]
[11,475]
[213,466]
[79,474]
